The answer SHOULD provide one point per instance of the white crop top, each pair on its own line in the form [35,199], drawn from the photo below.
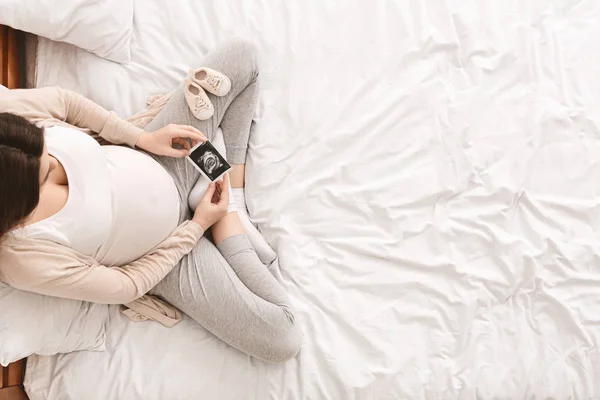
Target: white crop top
[121,202]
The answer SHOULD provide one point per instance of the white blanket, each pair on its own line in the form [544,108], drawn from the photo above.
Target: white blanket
[428,172]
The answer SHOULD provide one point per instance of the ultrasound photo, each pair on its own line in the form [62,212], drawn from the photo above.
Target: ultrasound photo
[208,161]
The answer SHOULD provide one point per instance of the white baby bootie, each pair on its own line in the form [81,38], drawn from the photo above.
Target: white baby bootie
[198,101]
[212,81]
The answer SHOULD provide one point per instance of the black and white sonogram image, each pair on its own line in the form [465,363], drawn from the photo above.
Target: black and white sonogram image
[208,161]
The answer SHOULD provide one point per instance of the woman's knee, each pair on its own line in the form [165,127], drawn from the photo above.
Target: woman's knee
[245,52]
[243,47]
[285,347]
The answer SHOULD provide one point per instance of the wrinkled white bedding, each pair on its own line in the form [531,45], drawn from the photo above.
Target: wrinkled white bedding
[429,173]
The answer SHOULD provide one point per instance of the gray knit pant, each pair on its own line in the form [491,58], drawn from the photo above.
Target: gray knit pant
[226,288]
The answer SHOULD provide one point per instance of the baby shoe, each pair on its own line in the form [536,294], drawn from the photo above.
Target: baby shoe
[212,81]
[198,101]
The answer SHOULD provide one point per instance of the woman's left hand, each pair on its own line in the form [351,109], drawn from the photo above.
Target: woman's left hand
[161,142]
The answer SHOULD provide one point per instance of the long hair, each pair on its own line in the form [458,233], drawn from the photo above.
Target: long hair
[21,149]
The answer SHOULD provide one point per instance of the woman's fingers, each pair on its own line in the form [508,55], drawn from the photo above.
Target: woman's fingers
[219,184]
[182,142]
[191,129]
[226,180]
[210,191]
[182,133]
[224,200]
[175,153]
[216,195]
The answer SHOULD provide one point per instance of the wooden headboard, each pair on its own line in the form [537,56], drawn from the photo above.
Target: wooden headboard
[10,57]
[11,377]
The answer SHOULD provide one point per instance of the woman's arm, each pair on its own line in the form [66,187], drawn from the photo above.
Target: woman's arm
[84,113]
[54,103]
[56,274]
[48,103]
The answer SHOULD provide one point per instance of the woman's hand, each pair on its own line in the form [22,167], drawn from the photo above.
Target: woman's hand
[213,205]
[161,142]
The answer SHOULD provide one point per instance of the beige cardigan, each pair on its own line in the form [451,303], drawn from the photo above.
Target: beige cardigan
[48,268]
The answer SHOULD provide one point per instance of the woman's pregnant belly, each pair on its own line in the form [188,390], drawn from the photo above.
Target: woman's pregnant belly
[145,206]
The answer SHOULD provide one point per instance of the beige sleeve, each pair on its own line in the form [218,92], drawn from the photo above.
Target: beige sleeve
[72,108]
[84,113]
[100,284]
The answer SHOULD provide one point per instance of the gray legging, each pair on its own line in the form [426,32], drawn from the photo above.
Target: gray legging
[226,288]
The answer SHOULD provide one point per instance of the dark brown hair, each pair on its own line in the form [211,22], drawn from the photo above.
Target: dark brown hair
[21,148]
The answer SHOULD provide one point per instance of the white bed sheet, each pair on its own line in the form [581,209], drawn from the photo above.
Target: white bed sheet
[428,172]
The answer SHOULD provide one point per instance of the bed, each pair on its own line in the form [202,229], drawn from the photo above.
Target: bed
[428,174]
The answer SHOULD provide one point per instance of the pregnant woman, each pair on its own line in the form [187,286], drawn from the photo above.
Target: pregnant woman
[109,224]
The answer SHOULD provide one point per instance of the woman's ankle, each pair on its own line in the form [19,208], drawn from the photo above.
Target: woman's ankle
[237,176]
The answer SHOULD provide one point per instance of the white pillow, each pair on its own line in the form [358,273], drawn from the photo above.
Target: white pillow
[102,27]
[3,88]
[35,324]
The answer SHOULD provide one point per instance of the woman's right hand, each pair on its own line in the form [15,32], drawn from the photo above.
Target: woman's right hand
[213,205]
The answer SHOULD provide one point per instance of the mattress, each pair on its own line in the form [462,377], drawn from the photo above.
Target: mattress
[428,173]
